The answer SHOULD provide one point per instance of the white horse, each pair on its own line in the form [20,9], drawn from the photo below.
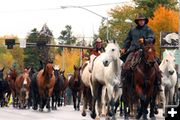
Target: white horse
[106,77]
[169,78]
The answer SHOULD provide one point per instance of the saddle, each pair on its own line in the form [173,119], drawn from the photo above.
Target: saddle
[132,60]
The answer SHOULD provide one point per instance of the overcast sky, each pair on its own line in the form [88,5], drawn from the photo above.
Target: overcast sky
[18,17]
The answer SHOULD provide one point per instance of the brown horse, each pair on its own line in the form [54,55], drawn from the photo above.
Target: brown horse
[140,86]
[11,78]
[45,83]
[145,78]
[22,86]
[63,87]
[76,86]
[59,87]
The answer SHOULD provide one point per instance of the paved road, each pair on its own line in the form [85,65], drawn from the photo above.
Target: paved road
[63,113]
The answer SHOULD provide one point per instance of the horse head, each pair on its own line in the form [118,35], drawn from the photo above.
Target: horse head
[112,52]
[48,70]
[25,75]
[62,74]
[57,71]
[149,54]
[168,63]
[77,73]
[11,76]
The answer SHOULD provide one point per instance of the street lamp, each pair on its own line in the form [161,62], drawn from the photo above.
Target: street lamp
[104,18]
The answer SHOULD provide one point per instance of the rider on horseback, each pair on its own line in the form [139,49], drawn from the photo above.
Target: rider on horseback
[133,47]
[98,47]
[135,41]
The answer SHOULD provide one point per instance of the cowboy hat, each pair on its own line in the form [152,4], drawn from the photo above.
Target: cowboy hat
[99,40]
[141,17]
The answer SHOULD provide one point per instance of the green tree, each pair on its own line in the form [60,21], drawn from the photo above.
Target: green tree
[118,28]
[32,53]
[149,6]
[66,37]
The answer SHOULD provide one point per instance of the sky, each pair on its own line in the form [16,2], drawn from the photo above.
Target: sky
[19,17]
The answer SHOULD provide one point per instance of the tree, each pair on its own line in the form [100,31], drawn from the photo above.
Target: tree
[162,21]
[32,53]
[6,58]
[70,59]
[118,28]
[67,36]
[45,35]
[149,6]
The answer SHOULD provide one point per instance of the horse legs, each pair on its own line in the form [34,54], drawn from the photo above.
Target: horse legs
[171,95]
[53,102]
[143,109]
[79,100]
[111,102]
[98,105]
[74,98]
[94,89]
[84,101]
[103,100]
[153,105]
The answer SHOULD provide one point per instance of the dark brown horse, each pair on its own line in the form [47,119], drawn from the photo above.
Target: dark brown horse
[59,87]
[76,87]
[45,83]
[22,86]
[5,91]
[144,76]
[64,85]
[11,78]
[140,84]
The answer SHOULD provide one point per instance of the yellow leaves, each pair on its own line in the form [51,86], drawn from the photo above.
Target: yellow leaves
[164,20]
[71,58]
[6,59]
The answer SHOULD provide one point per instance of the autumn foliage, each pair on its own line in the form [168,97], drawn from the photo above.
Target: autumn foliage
[71,58]
[164,20]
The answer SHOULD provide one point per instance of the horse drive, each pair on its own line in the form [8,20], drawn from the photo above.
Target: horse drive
[132,76]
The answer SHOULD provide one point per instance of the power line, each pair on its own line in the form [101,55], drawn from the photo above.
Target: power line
[104,4]
[57,8]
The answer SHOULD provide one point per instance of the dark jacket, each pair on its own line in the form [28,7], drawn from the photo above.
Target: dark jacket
[131,42]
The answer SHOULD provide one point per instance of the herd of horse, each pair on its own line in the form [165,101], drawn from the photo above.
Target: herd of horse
[99,82]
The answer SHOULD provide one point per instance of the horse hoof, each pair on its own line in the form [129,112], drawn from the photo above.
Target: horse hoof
[40,110]
[164,115]
[93,115]
[97,118]
[107,118]
[138,116]
[126,117]
[34,108]
[153,118]
[121,114]
[156,112]
[114,118]
[151,115]
[110,113]
[145,117]
[49,110]
[83,113]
